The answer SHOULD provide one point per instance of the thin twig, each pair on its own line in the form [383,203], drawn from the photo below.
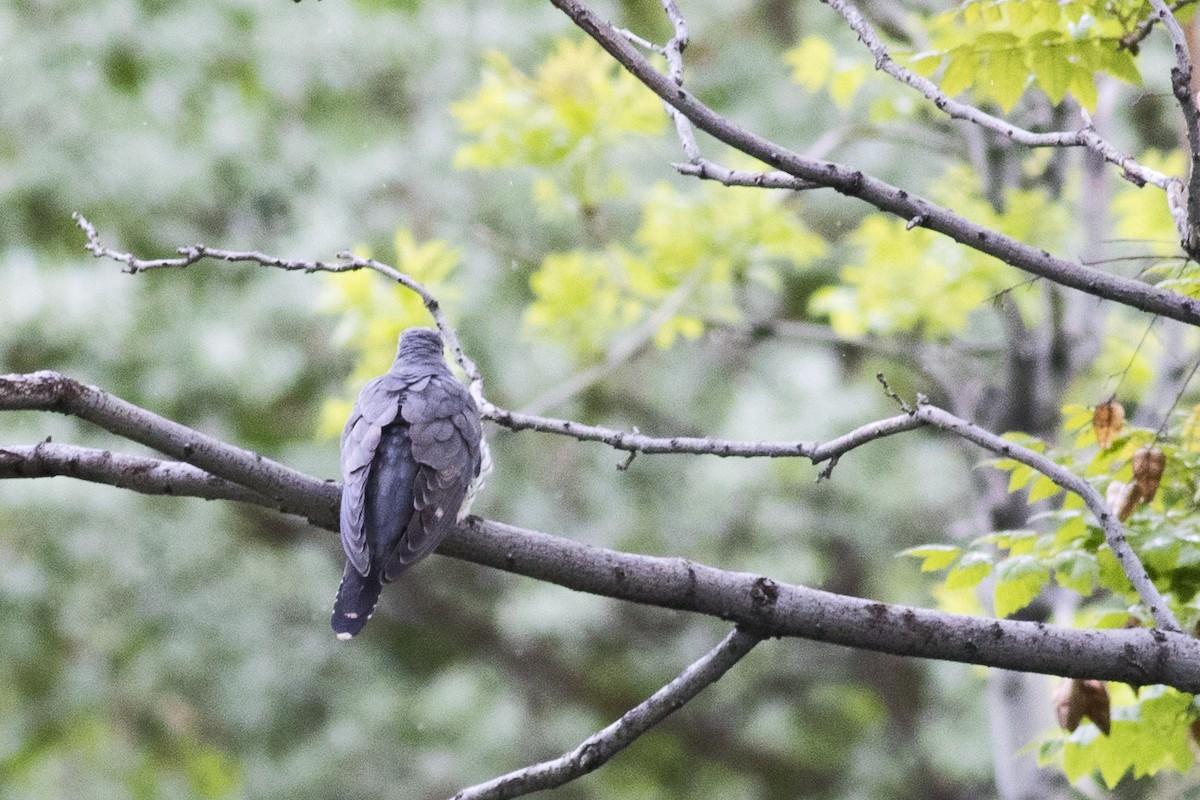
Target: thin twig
[816,452]
[1158,434]
[706,170]
[1131,40]
[674,53]
[349,262]
[596,750]
[1084,137]
[1114,534]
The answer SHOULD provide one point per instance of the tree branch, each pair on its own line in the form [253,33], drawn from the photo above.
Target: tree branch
[285,488]
[349,262]
[596,750]
[1136,656]
[706,170]
[1131,40]
[1084,137]
[291,492]
[631,442]
[1114,533]
[1181,86]
[136,473]
[888,198]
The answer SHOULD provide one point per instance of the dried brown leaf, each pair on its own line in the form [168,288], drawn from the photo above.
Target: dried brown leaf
[1107,421]
[1076,699]
[1148,465]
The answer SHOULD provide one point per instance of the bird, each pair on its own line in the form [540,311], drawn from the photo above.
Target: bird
[410,452]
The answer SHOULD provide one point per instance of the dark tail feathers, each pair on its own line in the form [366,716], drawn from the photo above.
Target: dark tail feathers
[355,603]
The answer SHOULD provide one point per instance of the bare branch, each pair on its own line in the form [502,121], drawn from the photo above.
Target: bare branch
[349,262]
[1181,86]
[888,198]
[1136,656]
[1114,533]
[136,473]
[640,443]
[49,391]
[291,491]
[674,53]
[596,750]
[707,170]
[1084,137]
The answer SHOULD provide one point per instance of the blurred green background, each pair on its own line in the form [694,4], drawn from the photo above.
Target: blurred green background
[158,647]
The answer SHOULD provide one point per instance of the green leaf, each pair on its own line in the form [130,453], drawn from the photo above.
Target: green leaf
[1021,477]
[1018,581]
[1043,488]
[1008,76]
[1078,571]
[970,571]
[811,62]
[935,556]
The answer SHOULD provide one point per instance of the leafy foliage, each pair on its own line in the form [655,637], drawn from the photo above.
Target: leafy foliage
[1150,730]
[998,49]
[563,121]
[1150,733]
[690,254]
[916,281]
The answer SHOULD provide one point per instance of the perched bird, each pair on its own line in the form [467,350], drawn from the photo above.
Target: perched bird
[410,452]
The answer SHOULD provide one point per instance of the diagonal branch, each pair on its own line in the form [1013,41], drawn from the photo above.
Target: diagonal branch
[1137,656]
[285,488]
[888,198]
[1084,137]
[1114,533]
[1131,40]
[596,750]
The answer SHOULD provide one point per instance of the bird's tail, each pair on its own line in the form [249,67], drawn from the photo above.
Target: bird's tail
[355,603]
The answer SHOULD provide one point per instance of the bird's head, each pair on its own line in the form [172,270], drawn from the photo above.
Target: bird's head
[419,344]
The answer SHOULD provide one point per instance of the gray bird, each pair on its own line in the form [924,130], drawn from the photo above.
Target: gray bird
[410,452]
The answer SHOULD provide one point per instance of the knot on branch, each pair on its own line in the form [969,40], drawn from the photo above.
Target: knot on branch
[764,594]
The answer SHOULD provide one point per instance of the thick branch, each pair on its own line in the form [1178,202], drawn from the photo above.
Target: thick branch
[1136,656]
[596,750]
[285,488]
[853,183]
[136,473]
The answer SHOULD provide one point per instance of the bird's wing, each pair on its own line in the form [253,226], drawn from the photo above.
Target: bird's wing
[377,407]
[443,426]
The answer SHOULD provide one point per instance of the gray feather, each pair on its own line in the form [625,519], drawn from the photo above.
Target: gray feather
[410,450]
